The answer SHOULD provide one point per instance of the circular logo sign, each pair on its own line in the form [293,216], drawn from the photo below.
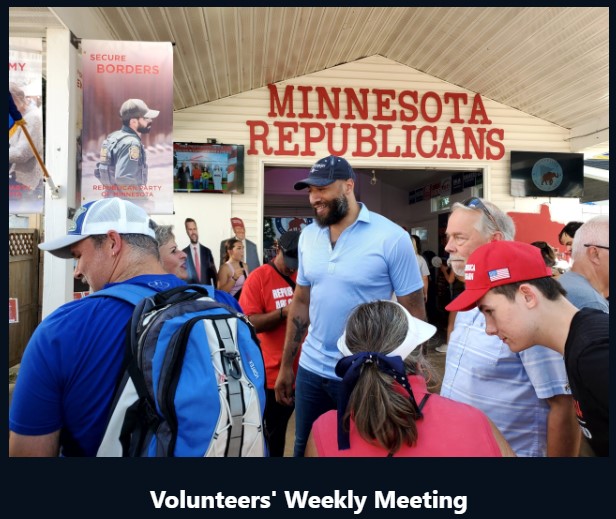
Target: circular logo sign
[547,174]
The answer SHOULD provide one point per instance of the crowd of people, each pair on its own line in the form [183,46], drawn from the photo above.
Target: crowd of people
[526,352]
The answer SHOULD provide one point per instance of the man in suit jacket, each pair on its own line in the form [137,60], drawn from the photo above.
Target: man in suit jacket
[251,257]
[207,269]
[182,176]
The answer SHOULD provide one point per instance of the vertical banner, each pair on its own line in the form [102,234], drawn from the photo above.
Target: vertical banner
[127,137]
[26,187]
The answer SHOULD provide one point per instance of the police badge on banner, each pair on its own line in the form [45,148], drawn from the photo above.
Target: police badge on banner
[127,144]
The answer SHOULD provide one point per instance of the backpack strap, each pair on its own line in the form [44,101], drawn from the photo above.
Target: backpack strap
[286,278]
[233,371]
[128,292]
[143,407]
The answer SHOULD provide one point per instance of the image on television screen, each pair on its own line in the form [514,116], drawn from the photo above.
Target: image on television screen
[208,168]
[546,173]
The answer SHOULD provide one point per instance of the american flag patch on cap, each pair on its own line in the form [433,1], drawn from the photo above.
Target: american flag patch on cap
[498,274]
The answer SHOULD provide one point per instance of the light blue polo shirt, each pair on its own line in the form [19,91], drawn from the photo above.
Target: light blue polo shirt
[373,258]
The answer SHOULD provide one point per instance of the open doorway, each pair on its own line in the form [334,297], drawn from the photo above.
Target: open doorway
[417,199]
[411,197]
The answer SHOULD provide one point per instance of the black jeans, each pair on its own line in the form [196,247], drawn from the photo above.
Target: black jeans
[276,418]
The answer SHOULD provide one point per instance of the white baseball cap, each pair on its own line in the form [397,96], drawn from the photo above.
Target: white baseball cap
[135,108]
[99,217]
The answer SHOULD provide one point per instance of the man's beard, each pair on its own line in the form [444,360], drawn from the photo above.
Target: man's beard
[456,268]
[144,129]
[338,209]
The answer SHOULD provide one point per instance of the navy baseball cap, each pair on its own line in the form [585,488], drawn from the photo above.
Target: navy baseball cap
[99,217]
[326,171]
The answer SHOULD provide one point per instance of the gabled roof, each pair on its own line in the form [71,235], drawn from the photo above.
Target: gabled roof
[549,62]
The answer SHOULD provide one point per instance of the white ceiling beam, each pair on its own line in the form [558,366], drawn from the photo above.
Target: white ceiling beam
[596,173]
[591,134]
[84,22]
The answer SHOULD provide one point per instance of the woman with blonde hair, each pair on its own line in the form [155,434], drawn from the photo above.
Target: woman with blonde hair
[172,257]
[173,260]
[385,408]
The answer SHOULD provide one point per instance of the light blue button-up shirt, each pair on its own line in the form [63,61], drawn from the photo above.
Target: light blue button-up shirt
[373,258]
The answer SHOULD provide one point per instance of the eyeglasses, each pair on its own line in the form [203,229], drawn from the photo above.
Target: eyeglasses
[598,246]
[475,203]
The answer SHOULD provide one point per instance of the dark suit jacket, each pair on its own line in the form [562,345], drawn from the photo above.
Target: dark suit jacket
[252,258]
[209,275]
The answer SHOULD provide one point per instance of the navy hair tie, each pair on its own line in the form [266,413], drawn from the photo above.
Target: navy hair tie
[349,369]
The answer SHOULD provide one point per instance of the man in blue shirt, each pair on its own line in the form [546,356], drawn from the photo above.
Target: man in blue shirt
[588,281]
[348,256]
[70,367]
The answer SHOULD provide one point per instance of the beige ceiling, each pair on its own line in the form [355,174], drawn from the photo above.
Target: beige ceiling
[550,62]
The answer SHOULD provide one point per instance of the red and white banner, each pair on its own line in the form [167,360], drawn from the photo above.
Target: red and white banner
[26,188]
[127,137]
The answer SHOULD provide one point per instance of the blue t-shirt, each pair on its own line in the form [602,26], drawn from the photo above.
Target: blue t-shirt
[70,368]
[224,297]
[372,259]
[581,293]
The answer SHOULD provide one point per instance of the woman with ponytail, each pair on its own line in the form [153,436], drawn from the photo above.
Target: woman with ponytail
[385,408]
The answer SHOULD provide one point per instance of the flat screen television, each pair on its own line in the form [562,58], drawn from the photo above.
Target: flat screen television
[547,173]
[208,168]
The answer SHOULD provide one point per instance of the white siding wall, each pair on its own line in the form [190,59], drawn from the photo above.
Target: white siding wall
[225,120]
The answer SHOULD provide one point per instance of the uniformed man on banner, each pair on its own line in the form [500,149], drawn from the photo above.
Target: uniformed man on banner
[122,158]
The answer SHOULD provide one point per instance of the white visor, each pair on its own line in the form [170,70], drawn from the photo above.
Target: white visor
[418,332]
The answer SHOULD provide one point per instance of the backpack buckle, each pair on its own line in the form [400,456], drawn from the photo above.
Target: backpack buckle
[232,364]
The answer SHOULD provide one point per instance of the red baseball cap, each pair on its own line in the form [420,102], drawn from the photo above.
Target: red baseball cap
[498,263]
[237,222]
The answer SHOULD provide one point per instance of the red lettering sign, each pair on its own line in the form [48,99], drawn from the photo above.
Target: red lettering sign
[461,138]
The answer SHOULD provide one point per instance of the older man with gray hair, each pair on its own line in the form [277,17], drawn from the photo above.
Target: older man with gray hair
[588,281]
[526,394]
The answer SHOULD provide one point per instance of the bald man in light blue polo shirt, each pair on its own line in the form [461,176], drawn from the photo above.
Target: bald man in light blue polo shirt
[348,256]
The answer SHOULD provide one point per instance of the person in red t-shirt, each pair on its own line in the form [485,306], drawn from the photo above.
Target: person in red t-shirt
[266,298]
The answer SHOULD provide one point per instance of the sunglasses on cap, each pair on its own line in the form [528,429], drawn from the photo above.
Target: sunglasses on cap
[476,203]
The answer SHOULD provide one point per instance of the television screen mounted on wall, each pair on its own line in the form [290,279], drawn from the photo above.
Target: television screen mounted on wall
[546,173]
[208,168]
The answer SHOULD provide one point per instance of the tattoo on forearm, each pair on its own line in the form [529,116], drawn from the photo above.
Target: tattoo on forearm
[300,329]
